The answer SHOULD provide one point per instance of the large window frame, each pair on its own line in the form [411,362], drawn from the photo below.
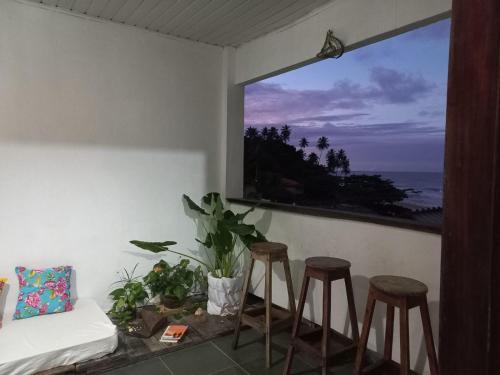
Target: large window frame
[235,192]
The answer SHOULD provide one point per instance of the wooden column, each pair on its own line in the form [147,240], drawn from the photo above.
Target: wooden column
[470,291]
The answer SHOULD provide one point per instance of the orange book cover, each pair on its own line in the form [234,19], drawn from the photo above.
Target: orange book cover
[173,333]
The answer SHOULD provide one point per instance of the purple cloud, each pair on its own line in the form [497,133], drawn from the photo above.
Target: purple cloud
[272,103]
[396,87]
[431,113]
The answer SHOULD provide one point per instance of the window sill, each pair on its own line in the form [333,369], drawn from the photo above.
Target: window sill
[339,214]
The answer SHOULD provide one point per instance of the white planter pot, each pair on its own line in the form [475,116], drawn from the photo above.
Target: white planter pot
[224,295]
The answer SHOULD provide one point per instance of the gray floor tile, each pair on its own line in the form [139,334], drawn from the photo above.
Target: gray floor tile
[203,359]
[230,371]
[150,367]
[251,347]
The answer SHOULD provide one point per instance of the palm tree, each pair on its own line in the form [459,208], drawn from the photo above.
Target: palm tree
[251,132]
[322,145]
[264,132]
[285,133]
[332,161]
[301,153]
[313,158]
[344,162]
[273,133]
[303,143]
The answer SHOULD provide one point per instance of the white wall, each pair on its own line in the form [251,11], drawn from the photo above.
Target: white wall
[354,22]
[102,128]
[372,250]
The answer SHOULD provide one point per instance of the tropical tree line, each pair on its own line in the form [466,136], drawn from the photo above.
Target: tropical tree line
[336,161]
[312,174]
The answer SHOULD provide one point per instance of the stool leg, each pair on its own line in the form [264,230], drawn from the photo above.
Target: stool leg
[370,308]
[429,341]
[327,295]
[352,308]
[246,287]
[389,333]
[296,324]
[289,287]
[268,301]
[404,339]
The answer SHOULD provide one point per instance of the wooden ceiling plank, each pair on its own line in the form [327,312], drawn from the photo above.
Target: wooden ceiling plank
[65,4]
[170,13]
[112,8]
[235,28]
[127,10]
[184,16]
[280,19]
[217,22]
[213,6]
[156,12]
[81,6]
[96,7]
[243,15]
[50,3]
[228,7]
[142,11]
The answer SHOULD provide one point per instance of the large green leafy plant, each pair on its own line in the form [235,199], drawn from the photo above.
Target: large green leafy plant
[225,236]
[127,298]
[173,282]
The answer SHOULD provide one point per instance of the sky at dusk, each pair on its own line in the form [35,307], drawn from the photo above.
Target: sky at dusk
[383,103]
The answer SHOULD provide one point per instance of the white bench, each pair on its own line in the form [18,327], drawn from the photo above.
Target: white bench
[40,343]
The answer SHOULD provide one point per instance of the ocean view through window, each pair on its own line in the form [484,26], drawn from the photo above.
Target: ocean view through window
[364,133]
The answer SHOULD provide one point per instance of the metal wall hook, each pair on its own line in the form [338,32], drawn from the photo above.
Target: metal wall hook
[332,48]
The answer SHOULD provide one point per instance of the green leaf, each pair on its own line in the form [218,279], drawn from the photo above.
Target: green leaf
[242,216]
[208,241]
[155,247]
[180,292]
[193,205]
[209,198]
[117,293]
[241,229]
[260,236]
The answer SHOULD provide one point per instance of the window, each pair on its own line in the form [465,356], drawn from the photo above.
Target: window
[363,134]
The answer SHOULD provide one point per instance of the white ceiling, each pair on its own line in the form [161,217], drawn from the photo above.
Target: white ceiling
[218,22]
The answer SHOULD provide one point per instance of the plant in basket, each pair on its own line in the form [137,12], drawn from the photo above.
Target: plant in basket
[225,238]
[173,283]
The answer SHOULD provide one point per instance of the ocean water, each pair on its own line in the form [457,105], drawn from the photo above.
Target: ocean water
[428,187]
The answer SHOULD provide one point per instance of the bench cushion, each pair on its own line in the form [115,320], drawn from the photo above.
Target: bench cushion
[44,342]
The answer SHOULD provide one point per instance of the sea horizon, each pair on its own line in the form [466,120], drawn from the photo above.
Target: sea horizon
[427,187]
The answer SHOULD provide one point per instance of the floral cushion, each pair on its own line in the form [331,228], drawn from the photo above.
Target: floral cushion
[43,291]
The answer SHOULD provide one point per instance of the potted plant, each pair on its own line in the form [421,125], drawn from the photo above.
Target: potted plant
[127,299]
[173,283]
[225,238]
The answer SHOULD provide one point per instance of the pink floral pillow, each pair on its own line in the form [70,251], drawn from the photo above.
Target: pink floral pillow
[43,291]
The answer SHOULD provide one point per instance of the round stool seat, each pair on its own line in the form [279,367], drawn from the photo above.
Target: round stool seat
[265,248]
[327,263]
[398,286]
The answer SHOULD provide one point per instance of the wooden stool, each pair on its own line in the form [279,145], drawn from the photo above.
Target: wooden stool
[324,342]
[404,293]
[266,319]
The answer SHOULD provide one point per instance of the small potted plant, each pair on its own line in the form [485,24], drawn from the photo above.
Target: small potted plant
[226,237]
[127,299]
[173,283]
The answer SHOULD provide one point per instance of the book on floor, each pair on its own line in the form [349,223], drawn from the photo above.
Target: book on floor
[173,333]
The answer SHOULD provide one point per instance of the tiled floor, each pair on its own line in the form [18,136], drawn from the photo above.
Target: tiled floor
[217,357]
